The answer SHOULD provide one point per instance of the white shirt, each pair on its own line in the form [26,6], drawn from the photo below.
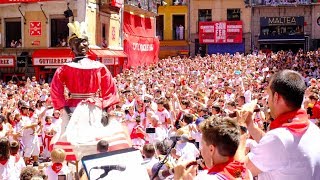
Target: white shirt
[247,95]
[282,156]
[29,135]
[7,171]
[187,151]
[163,115]
[159,135]
[19,164]
[54,176]
[150,162]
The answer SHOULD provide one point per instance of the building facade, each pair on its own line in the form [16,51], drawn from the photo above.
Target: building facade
[172,27]
[34,35]
[284,25]
[316,27]
[222,12]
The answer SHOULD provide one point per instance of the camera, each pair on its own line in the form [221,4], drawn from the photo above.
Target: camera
[146,101]
[150,130]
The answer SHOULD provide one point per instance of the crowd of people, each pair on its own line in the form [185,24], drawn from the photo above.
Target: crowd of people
[203,103]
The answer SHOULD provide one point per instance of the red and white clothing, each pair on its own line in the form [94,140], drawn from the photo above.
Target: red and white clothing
[164,116]
[288,150]
[30,138]
[130,121]
[48,133]
[57,169]
[137,137]
[84,77]
[92,88]
[7,170]
[187,151]
[19,163]
[225,171]
[160,134]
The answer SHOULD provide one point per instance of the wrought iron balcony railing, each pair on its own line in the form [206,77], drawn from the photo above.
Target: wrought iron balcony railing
[281,2]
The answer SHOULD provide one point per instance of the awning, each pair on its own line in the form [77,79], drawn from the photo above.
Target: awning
[7,61]
[51,57]
[104,53]
[278,40]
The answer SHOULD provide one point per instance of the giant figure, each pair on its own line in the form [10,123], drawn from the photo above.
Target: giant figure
[86,91]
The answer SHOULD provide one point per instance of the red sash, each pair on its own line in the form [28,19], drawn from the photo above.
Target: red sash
[47,140]
[296,121]
[231,169]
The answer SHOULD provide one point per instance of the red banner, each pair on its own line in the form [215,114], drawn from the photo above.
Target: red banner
[140,26]
[142,51]
[117,3]
[220,32]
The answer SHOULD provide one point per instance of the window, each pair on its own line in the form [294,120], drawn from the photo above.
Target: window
[204,15]
[59,32]
[233,14]
[160,26]
[104,37]
[13,32]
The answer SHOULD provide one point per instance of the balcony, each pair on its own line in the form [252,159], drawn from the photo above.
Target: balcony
[282,2]
[142,6]
[174,35]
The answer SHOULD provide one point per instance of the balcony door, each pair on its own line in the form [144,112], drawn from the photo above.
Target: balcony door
[179,27]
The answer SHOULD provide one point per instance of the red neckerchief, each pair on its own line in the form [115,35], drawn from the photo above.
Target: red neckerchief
[160,110]
[3,161]
[48,124]
[30,114]
[56,167]
[13,123]
[232,169]
[296,121]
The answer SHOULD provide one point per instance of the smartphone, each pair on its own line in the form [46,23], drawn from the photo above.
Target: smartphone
[62,177]
[150,130]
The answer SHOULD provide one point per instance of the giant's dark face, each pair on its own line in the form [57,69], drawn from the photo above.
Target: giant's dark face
[79,46]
